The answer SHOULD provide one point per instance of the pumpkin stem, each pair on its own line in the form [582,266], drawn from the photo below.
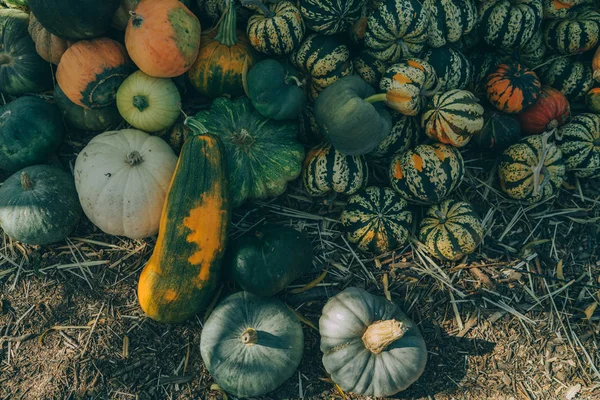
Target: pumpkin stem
[195,126]
[250,337]
[227,34]
[140,102]
[243,139]
[136,20]
[441,216]
[379,335]
[376,98]
[540,168]
[134,158]
[5,59]
[260,5]
[26,182]
[292,78]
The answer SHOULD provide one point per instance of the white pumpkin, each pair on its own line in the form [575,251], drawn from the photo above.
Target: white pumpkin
[122,178]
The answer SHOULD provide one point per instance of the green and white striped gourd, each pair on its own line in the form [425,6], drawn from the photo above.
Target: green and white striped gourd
[450,20]
[330,16]
[482,65]
[406,133]
[530,55]
[369,67]
[277,29]
[453,69]
[576,33]
[573,78]
[508,24]
[580,145]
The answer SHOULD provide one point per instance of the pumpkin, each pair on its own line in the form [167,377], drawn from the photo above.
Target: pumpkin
[260,261]
[91,71]
[405,134]
[262,154]
[596,64]
[277,29]
[592,100]
[499,131]
[576,33]
[74,19]
[532,169]
[122,15]
[348,120]
[326,170]
[369,68]
[450,20]
[453,117]
[39,205]
[224,54]
[210,11]
[309,132]
[358,28]
[22,70]
[50,47]
[428,173]
[550,111]
[451,230]
[32,129]
[579,142]
[276,90]
[560,8]
[376,219]
[324,60]
[330,17]
[397,29]
[97,119]
[513,88]
[509,24]
[163,38]
[573,78]
[452,68]
[482,66]
[251,345]
[148,103]
[181,276]
[122,179]
[531,54]
[175,135]
[369,345]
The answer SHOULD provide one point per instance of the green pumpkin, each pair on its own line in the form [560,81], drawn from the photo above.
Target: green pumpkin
[330,16]
[450,20]
[499,131]
[276,90]
[277,29]
[576,33]
[508,24]
[453,69]
[369,68]
[531,54]
[580,145]
[405,134]
[263,155]
[251,345]
[450,230]
[86,119]
[370,347]
[573,78]
[30,130]
[260,260]
[309,132]
[377,219]
[483,64]
[22,70]
[39,205]
[351,124]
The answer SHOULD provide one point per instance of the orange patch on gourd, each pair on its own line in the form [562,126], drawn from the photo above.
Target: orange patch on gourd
[415,64]
[401,79]
[170,295]
[394,97]
[440,154]
[515,100]
[417,162]
[562,4]
[398,170]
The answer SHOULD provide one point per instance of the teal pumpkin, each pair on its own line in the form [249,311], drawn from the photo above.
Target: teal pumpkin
[499,131]
[330,16]
[572,77]
[576,33]
[450,20]
[508,24]
[86,119]
[453,69]
[579,142]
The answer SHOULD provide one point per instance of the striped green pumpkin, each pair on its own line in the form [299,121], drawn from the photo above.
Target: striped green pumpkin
[580,145]
[369,68]
[592,100]
[509,24]
[428,173]
[482,65]
[451,230]
[326,170]
[517,178]
[309,132]
[377,219]
[397,29]
[561,8]
[530,55]
[574,34]
[573,78]
[324,59]
[330,16]
[453,69]
[453,117]
[499,131]
[406,133]
[277,30]
[450,20]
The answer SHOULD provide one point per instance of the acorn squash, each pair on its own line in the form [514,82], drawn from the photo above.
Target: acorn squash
[576,33]
[276,29]
[572,77]
[579,142]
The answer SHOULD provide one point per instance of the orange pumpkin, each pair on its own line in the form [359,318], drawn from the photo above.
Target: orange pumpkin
[549,112]
[219,67]
[50,47]
[163,37]
[91,71]
[596,64]
[512,88]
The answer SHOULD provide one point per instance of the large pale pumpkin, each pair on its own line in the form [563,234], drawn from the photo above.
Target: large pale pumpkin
[122,179]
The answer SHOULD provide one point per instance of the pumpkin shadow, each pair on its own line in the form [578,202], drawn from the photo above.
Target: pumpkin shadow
[271,341]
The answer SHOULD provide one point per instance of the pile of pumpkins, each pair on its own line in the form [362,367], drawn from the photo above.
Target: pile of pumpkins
[401,83]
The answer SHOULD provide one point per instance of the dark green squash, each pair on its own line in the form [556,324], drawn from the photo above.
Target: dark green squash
[453,69]
[330,16]
[450,20]
[86,119]
[499,131]
[406,133]
[531,54]
[509,24]
[572,77]
[576,33]
[580,145]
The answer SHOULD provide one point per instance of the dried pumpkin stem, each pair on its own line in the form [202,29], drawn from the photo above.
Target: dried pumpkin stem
[5,59]
[260,5]
[540,168]
[26,182]
[379,335]
[250,337]
[195,125]
[376,98]
[134,158]
[227,34]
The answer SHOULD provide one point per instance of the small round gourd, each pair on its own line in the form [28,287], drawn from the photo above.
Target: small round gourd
[406,133]
[369,68]
[277,29]
[330,16]
[175,135]
[450,230]
[508,24]
[574,78]
[251,345]
[576,33]
[452,67]
[450,20]
[369,345]
[512,88]
[580,145]
[39,205]
[550,111]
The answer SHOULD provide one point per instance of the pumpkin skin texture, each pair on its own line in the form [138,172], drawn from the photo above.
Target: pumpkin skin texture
[531,54]
[91,71]
[122,16]
[39,205]
[453,117]
[499,131]
[351,124]
[592,100]
[509,24]
[377,219]
[75,19]
[352,323]
[275,90]
[148,103]
[22,70]
[251,345]
[277,30]
[181,276]
[309,132]
[517,178]
[482,65]
[549,112]
[452,68]
[369,68]
[263,155]
[513,88]
[450,230]
[428,173]
[405,134]
[561,8]
[450,20]
[327,170]
[26,141]
[163,38]
[330,17]
[580,145]
[573,78]
[50,47]
[175,135]
[576,33]
[122,178]
[260,260]
[97,119]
